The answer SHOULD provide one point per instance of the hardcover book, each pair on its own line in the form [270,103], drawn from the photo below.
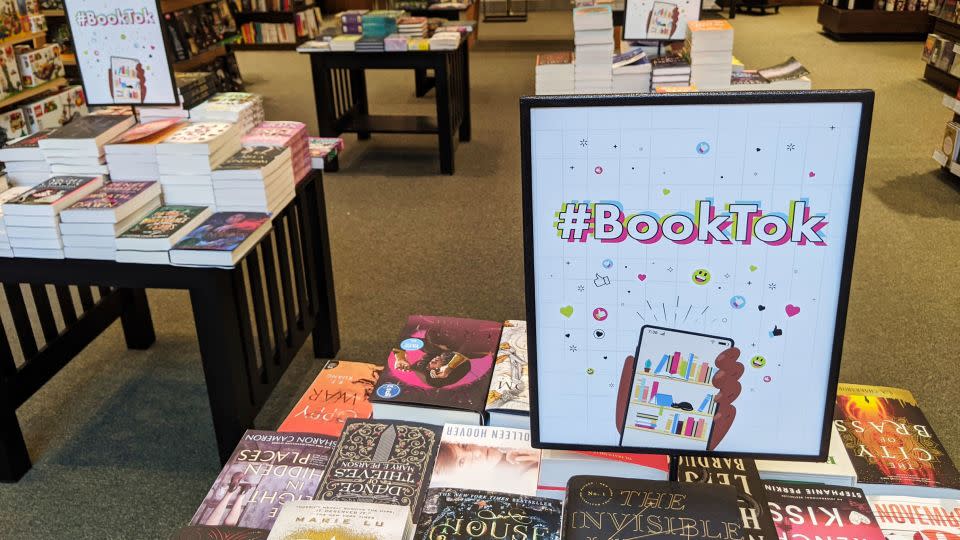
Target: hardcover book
[26,148]
[558,466]
[344,520]
[341,391]
[891,444]
[382,462]
[741,473]
[802,511]
[218,532]
[486,458]
[266,470]
[915,518]
[472,515]
[439,371]
[621,509]
[508,400]
[197,137]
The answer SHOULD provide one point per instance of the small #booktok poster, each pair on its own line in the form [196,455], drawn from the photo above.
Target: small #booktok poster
[121,52]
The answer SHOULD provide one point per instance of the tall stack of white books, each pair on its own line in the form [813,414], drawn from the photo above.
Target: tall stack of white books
[32,219]
[23,160]
[241,108]
[555,73]
[593,47]
[77,148]
[709,45]
[631,72]
[255,179]
[133,155]
[5,249]
[187,158]
[90,226]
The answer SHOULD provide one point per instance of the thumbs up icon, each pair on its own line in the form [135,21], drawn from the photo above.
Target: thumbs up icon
[601,281]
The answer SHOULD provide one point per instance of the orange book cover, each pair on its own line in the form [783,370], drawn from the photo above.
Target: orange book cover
[340,391]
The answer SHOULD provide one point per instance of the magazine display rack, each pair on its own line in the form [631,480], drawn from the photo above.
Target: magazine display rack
[286,278]
[934,75]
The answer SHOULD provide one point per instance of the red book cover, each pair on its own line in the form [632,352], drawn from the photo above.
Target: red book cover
[654,461]
[807,511]
[340,391]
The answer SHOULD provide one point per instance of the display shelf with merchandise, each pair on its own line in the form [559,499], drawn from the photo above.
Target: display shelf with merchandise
[28,93]
[277,30]
[38,38]
[934,74]
[946,154]
[872,23]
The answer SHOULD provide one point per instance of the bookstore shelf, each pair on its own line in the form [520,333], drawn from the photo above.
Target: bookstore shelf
[169,6]
[53,13]
[866,23]
[25,36]
[267,16]
[32,92]
[200,59]
[269,46]
[69,59]
[941,78]
[651,405]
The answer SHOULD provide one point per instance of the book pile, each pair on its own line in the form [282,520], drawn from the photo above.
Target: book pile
[148,241]
[593,47]
[292,135]
[381,23]
[242,108]
[631,72]
[395,42]
[324,149]
[370,44]
[351,22]
[345,42]
[77,148]
[418,44]
[90,226]
[444,41]
[5,249]
[555,73]
[709,45]
[412,26]
[133,155]
[670,71]
[787,75]
[222,240]
[23,160]
[255,179]
[187,158]
[32,219]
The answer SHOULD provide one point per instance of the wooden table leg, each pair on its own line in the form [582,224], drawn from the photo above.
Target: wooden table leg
[444,120]
[465,126]
[323,98]
[136,320]
[358,91]
[14,459]
[326,332]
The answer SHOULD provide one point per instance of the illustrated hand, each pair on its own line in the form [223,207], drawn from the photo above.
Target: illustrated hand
[623,392]
[727,380]
[400,360]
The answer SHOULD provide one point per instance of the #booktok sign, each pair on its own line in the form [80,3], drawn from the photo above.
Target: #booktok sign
[122,52]
[659,20]
[688,265]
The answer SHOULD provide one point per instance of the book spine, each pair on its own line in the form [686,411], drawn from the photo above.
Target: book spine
[661,365]
[653,390]
[674,363]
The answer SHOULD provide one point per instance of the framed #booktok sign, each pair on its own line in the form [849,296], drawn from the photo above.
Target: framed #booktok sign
[688,263]
[658,20]
[122,52]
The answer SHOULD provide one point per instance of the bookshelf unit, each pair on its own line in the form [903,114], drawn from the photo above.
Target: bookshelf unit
[28,93]
[274,17]
[942,159]
[183,25]
[874,23]
[934,75]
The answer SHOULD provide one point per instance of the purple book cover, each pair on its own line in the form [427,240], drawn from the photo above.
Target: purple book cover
[266,470]
[223,231]
[441,362]
[112,195]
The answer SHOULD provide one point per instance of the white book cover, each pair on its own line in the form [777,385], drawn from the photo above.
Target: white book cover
[509,387]
[486,458]
[329,520]
[95,253]
[30,253]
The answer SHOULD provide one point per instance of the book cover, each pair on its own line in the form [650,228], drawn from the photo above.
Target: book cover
[471,514]
[112,195]
[915,518]
[89,127]
[218,532]
[509,387]
[332,520]
[802,511]
[251,157]
[786,71]
[341,391]
[266,470]
[223,231]
[31,141]
[163,222]
[149,132]
[951,138]
[383,462]
[889,440]
[198,133]
[621,509]
[742,474]
[556,58]
[442,362]
[52,190]
[275,133]
[486,458]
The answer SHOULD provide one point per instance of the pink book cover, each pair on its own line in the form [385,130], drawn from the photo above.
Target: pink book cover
[276,132]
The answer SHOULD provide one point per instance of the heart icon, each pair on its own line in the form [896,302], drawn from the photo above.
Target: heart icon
[753,268]
[641,277]
[791,310]
[761,308]
[666,191]
[812,174]
[566,311]
[856,518]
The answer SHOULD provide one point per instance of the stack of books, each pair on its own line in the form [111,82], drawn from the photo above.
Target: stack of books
[709,45]
[418,44]
[292,135]
[149,240]
[32,219]
[593,44]
[370,44]
[631,72]
[23,160]
[394,43]
[351,22]
[345,43]
[380,23]
[412,26]
[133,155]
[77,148]
[323,149]
[670,71]
[90,226]
[241,108]
[12,193]
[555,73]
[222,240]
[255,179]
[188,156]
[444,41]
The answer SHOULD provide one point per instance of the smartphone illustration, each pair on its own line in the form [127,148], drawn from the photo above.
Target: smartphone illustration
[126,82]
[671,400]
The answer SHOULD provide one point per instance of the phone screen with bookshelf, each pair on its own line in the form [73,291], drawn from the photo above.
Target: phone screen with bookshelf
[127,87]
[672,399]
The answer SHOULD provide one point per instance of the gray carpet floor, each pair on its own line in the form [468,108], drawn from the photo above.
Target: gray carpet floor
[122,441]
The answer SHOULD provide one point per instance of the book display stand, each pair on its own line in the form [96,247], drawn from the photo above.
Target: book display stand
[873,23]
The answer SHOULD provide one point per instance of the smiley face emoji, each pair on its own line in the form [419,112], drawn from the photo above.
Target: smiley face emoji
[758,361]
[701,276]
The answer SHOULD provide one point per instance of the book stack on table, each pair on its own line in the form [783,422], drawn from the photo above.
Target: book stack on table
[187,158]
[555,73]
[593,48]
[323,150]
[370,44]
[90,226]
[351,22]
[222,240]
[77,148]
[148,241]
[255,179]
[412,26]
[345,42]
[631,72]
[395,42]
[444,41]
[381,23]
[241,108]
[670,71]
[709,45]
[133,155]
[23,160]
[292,135]
[8,194]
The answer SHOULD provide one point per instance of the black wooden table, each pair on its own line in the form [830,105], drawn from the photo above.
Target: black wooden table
[287,279]
[340,91]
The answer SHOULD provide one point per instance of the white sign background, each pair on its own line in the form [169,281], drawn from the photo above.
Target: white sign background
[637,18]
[106,29]
[665,159]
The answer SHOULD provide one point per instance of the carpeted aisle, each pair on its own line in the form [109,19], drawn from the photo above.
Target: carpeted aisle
[122,441]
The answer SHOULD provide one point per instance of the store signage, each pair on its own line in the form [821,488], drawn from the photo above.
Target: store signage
[122,52]
[658,20]
[688,262]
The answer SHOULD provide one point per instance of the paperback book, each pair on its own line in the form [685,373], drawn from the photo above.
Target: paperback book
[915,518]
[461,514]
[486,458]
[558,466]
[222,240]
[340,392]
[816,511]
[162,228]
[111,203]
[218,532]
[48,198]
[330,520]
[508,400]
[836,470]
